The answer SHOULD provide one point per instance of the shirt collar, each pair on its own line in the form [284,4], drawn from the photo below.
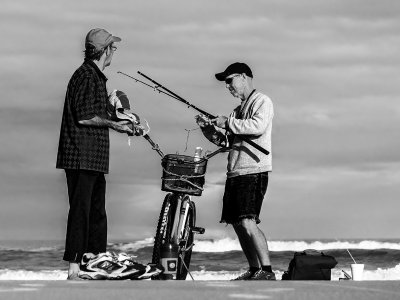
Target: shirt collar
[94,66]
[244,102]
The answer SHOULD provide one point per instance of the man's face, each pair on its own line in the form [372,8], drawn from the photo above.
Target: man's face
[110,52]
[234,83]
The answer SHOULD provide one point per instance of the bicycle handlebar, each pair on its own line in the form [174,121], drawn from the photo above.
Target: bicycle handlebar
[219,150]
[156,147]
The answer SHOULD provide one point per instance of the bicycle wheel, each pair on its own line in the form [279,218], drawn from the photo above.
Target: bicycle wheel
[186,244]
[164,228]
[164,233]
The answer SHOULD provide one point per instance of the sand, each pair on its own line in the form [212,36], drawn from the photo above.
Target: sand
[180,290]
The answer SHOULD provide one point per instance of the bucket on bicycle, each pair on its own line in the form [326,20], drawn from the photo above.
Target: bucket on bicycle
[181,173]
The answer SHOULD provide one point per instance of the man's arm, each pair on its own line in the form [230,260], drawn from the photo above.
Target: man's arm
[255,125]
[96,121]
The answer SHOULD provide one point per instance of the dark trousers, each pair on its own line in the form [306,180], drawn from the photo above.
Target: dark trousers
[87,218]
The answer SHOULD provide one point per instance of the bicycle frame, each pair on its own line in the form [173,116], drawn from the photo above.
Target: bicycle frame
[180,218]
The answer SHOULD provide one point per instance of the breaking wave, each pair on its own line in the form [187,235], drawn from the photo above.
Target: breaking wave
[229,244]
[379,274]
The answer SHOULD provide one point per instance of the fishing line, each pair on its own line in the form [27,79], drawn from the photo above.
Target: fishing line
[187,137]
[155,88]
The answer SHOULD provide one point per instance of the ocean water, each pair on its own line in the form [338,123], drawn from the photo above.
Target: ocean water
[219,259]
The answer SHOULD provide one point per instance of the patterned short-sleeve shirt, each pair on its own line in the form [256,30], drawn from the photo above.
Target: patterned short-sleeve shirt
[80,146]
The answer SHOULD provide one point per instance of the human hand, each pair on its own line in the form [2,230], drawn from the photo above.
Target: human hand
[124,122]
[139,130]
[123,127]
[220,121]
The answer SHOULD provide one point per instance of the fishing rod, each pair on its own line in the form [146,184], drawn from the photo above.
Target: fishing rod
[146,84]
[168,92]
[179,98]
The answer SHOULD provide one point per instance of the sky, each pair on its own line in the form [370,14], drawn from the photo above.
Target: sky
[331,68]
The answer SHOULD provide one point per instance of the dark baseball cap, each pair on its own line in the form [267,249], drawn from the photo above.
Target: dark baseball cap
[100,38]
[235,68]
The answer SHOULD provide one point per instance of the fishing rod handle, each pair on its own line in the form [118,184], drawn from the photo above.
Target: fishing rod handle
[154,145]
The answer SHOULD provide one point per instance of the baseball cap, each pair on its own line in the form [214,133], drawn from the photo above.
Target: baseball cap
[119,106]
[100,38]
[119,109]
[235,68]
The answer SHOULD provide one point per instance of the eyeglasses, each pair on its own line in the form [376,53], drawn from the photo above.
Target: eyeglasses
[230,79]
[113,48]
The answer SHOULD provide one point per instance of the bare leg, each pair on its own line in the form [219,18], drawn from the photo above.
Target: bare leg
[247,246]
[253,242]
[261,246]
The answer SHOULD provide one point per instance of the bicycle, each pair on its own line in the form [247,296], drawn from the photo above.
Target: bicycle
[183,177]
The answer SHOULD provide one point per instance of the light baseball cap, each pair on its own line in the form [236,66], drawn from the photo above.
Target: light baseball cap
[100,38]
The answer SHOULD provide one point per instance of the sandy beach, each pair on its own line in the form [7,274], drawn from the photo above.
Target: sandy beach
[298,290]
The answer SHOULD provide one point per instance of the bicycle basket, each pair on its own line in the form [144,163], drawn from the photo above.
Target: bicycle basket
[182,174]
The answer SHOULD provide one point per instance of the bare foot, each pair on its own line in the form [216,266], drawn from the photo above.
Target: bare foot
[74,276]
[73,271]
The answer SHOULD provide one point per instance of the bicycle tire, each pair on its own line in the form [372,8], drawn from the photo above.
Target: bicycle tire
[163,235]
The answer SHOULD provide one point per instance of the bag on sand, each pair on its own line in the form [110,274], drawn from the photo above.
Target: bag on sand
[310,265]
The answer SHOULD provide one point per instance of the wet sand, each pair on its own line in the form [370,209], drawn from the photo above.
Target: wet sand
[180,290]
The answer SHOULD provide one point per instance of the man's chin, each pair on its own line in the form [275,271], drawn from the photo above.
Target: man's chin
[234,94]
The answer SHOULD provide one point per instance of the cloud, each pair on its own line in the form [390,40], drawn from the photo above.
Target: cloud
[331,69]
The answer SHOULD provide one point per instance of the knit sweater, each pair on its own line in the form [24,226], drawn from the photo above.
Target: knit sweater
[253,118]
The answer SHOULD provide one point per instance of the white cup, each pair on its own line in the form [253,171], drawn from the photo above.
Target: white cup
[357,271]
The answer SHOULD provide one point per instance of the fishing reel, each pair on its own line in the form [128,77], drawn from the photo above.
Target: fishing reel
[212,133]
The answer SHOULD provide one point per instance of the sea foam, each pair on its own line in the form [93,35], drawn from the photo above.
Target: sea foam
[230,244]
[6,274]
[379,274]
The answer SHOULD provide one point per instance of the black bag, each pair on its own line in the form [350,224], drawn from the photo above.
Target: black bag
[310,265]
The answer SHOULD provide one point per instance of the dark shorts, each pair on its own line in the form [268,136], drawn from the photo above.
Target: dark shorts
[243,197]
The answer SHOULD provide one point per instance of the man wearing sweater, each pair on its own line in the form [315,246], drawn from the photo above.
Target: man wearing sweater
[248,168]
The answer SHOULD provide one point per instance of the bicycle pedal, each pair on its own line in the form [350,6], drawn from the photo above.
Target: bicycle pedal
[199,230]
